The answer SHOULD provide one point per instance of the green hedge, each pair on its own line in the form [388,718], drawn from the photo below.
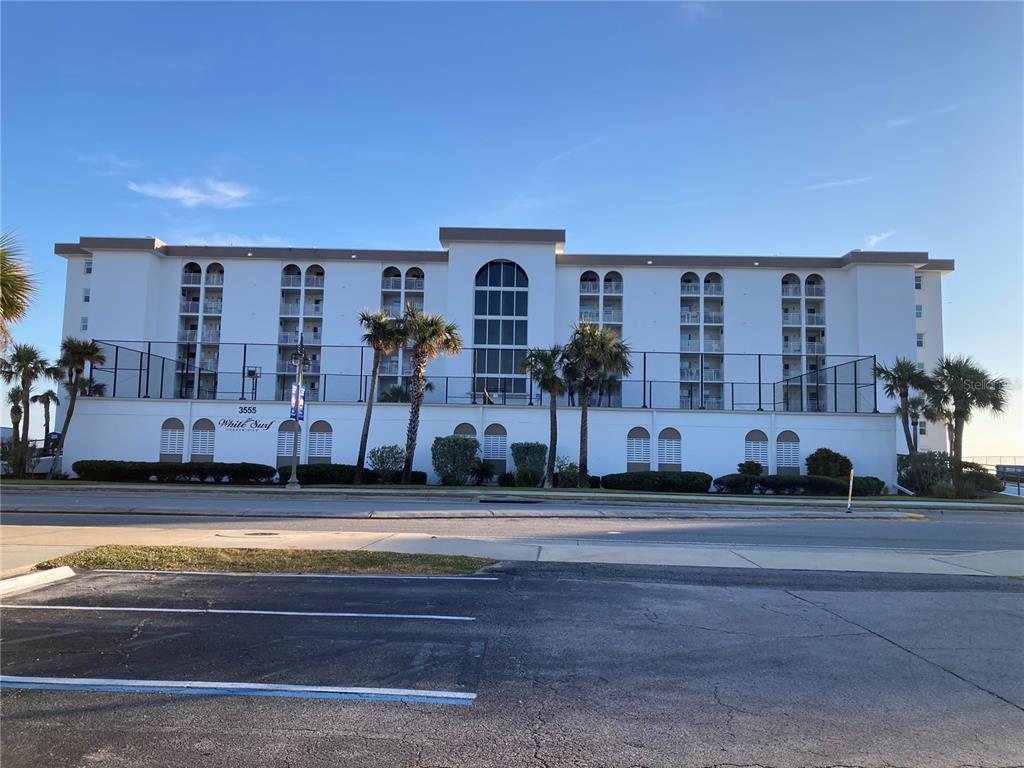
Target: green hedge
[337,474]
[867,486]
[825,462]
[170,472]
[665,482]
[737,483]
[814,485]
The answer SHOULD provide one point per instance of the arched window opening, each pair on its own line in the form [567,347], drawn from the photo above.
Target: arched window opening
[321,442]
[285,443]
[414,279]
[291,276]
[814,285]
[172,440]
[314,276]
[495,447]
[613,283]
[713,284]
[755,448]
[787,453]
[689,284]
[215,274]
[638,450]
[191,274]
[670,450]
[465,430]
[203,435]
[500,331]
[590,283]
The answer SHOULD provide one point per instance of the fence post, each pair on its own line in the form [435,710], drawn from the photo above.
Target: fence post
[856,391]
[531,390]
[759,407]
[732,395]
[446,390]
[835,389]
[139,389]
[472,387]
[643,389]
[701,392]
[245,350]
[113,389]
[361,382]
[874,382]
[149,363]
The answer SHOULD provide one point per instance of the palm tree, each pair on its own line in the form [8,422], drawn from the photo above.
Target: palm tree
[594,352]
[14,401]
[74,355]
[25,364]
[385,335]
[46,399]
[962,386]
[897,381]
[918,408]
[545,367]
[427,336]
[17,286]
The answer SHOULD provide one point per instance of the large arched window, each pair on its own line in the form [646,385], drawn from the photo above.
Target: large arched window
[755,448]
[285,442]
[203,434]
[315,276]
[787,453]
[670,450]
[499,330]
[689,284]
[191,274]
[613,283]
[414,279]
[790,285]
[589,284]
[215,274]
[638,450]
[172,440]
[291,276]
[713,284]
[465,430]
[814,285]
[495,447]
[321,442]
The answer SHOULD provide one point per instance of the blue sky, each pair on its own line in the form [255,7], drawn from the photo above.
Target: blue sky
[734,128]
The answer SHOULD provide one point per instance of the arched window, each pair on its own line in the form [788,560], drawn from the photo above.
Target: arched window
[689,284]
[321,442]
[215,274]
[191,274]
[499,330]
[495,447]
[787,453]
[670,450]
[590,283]
[613,283]
[465,430]
[713,285]
[791,285]
[314,276]
[414,279]
[755,448]
[285,442]
[172,440]
[638,450]
[203,434]
[814,285]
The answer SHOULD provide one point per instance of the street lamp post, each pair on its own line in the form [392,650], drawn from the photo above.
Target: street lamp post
[301,363]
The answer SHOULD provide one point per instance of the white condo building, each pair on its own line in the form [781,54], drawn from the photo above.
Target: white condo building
[733,357]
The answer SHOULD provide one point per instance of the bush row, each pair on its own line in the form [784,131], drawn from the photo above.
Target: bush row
[340,474]
[170,472]
[814,485]
[667,482]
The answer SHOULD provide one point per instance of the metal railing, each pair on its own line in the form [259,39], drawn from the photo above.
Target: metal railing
[290,308]
[291,281]
[191,278]
[792,348]
[391,283]
[613,288]
[590,316]
[815,348]
[792,290]
[612,316]
[716,318]
[815,318]
[791,318]
[689,289]
[213,307]
[215,278]
[714,289]
[414,283]
[211,336]
[314,281]
[288,337]
[313,310]
[189,307]
[714,345]
[187,335]
[690,345]
[689,318]
[814,290]
[589,287]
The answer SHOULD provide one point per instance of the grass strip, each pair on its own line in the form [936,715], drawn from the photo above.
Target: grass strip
[231,560]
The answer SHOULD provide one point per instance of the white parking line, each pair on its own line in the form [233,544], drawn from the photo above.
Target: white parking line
[237,611]
[206,688]
[301,575]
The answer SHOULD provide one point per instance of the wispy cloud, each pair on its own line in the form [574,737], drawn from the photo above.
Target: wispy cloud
[840,183]
[228,238]
[693,11]
[211,193]
[873,240]
[905,120]
[105,163]
[565,154]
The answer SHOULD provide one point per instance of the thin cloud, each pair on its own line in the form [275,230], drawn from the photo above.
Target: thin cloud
[873,240]
[228,238]
[900,122]
[570,152]
[840,183]
[105,163]
[211,193]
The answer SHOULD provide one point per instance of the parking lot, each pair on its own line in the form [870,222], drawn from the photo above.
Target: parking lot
[537,664]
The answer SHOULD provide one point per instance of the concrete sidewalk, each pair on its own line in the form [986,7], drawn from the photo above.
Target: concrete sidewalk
[24,546]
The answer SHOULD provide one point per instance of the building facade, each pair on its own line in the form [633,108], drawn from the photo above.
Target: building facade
[733,357]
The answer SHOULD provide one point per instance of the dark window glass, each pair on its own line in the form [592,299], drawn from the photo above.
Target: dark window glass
[480,332]
[481,303]
[519,386]
[492,360]
[520,332]
[481,277]
[494,331]
[521,280]
[521,303]
[517,359]
[508,274]
[508,303]
[494,274]
[494,303]
[506,361]
[506,332]
[481,359]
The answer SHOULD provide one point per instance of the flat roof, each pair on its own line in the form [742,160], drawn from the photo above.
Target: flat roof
[491,235]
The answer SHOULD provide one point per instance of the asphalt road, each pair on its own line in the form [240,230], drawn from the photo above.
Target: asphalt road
[570,666]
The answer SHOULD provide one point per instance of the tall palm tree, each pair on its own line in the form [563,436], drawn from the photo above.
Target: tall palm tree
[14,401]
[385,335]
[427,336]
[25,364]
[545,367]
[918,409]
[594,352]
[46,399]
[17,285]
[75,354]
[897,381]
[962,386]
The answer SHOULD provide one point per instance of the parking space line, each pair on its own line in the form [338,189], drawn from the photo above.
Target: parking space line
[303,575]
[205,688]
[237,611]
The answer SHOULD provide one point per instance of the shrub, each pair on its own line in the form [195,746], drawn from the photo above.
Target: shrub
[922,473]
[529,457]
[815,485]
[666,482]
[825,462]
[567,473]
[483,471]
[453,457]
[737,483]
[417,478]
[983,481]
[529,478]
[867,486]
[169,472]
[750,468]
[506,479]
[321,474]
[387,461]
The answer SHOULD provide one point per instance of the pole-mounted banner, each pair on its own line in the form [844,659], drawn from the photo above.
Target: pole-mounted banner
[298,403]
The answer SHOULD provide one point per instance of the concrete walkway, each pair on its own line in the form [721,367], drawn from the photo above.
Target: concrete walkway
[23,546]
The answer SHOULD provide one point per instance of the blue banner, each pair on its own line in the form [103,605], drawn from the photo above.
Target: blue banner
[298,403]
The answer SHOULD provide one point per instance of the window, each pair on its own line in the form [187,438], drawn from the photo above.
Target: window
[85,295]
[84,325]
[465,430]
[755,447]
[920,367]
[172,440]
[638,450]
[202,440]
[922,428]
[321,442]
[495,447]
[918,310]
[917,282]
[88,266]
[920,339]
[787,453]
[670,450]
[500,317]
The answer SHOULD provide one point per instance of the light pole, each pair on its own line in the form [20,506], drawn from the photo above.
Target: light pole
[301,363]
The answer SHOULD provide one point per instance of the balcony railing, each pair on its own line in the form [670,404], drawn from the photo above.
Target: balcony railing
[590,288]
[191,278]
[314,281]
[716,318]
[814,290]
[215,278]
[391,283]
[713,403]
[313,310]
[713,345]
[612,316]
[590,316]
[289,308]
[187,335]
[791,290]
[815,318]
[211,336]
[791,318]
[815,348]
[190,307]
[613,287]
[689,345]
[312,338]
[288,337]
[209,363]
[711,375]
[414,283]
[291,281]
[689,318]
[714,289]
[391,368]
[689,289]
[213,307]
[791,348]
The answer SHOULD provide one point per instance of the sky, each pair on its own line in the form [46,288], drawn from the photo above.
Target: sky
[803,129]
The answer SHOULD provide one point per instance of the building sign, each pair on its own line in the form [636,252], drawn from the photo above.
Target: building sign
[246,421]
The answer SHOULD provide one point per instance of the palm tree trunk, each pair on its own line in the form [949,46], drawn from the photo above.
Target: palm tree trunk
[950,437]
[15,428]
[905,419]
[549,476]
[58,453]
[26,403]
[958,450]
[416,390]
[370,397]
[46,418]
[584,478]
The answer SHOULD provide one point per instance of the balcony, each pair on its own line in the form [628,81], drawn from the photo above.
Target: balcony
[713,403]
[815,318]
[791,348]
[612,316]
[288,337]
[590,288]
[189,307]
[714,289]
[213,307]
[791,318]
[590,316]
[689,289]
[211,335]
[714,318]
[814,290]
[714,375]
[208,363]
[791,290]
[187,336]
[215,278]
[391,283]
[291,281]
[313,310]
[414,283]
[713,345]
[689,318]
[290,308]
[613,288]
[314,281]
[191,278]
[689,345]
[391,368]
[711,375]
[312,338]
[815,348]
[689,374]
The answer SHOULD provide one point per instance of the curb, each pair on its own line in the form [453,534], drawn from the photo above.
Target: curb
[34,579]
